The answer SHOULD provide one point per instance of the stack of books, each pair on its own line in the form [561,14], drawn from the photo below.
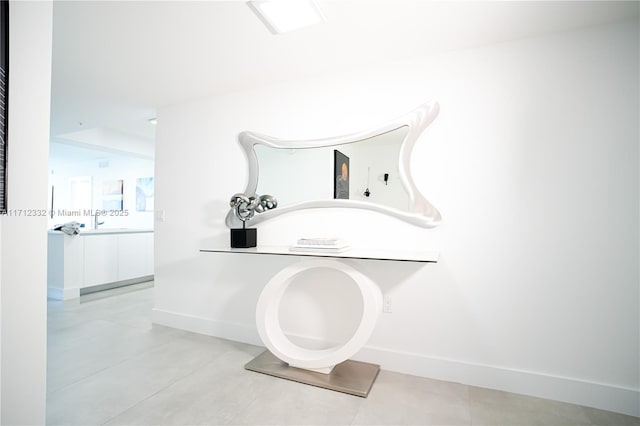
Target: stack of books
[321,245]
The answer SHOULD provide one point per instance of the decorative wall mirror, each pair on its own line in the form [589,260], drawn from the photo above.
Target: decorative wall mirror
[367,170]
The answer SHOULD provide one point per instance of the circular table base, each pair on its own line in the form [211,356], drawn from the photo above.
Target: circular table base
[323,361]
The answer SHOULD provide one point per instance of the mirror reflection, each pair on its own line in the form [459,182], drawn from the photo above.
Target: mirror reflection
[366,170]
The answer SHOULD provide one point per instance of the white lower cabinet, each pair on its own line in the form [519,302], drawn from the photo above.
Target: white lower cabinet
[94,258]
[100,259]
[135,256]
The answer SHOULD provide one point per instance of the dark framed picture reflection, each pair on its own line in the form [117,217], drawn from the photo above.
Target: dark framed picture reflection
[340,175]
[4,100]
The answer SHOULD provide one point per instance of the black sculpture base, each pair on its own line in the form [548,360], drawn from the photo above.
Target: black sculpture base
[244,237]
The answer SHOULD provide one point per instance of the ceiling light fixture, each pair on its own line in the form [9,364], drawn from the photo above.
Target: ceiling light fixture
[281,16]
[153,120]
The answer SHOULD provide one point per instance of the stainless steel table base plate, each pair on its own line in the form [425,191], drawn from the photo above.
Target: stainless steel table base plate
[352,377]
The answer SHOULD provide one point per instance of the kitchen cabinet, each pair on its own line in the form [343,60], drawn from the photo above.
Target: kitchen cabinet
[95,259]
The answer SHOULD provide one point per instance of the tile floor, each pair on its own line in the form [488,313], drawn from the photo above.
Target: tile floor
[108,365]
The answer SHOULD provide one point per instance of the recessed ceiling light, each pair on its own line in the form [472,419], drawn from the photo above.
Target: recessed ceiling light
[281,16]
[153,120]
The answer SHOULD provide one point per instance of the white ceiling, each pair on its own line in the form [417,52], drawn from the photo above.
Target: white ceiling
[63,154]
[115,62]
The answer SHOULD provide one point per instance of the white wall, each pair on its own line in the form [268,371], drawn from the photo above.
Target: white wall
[23,260]
[533,163]
[117,167]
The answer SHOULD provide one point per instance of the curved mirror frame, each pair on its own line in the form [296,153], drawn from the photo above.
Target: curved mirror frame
[421,213]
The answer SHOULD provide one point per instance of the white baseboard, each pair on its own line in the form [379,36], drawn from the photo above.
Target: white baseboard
[225,330]
[566,389]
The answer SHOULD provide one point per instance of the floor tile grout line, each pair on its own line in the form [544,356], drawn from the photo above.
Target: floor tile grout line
[128,358]
[185,376]
[468,399]
[84,338]
[355,416]
[147,397]
[249,404]
[76,382]
[237,415]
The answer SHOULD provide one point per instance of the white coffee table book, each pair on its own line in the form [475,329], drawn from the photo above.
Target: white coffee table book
[322,245]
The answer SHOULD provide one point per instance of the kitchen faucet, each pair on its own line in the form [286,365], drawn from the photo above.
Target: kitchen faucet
[96,223]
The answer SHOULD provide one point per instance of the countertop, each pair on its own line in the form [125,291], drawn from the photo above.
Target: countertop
[103,231]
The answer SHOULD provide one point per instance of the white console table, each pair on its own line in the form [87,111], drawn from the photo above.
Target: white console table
[328,368]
